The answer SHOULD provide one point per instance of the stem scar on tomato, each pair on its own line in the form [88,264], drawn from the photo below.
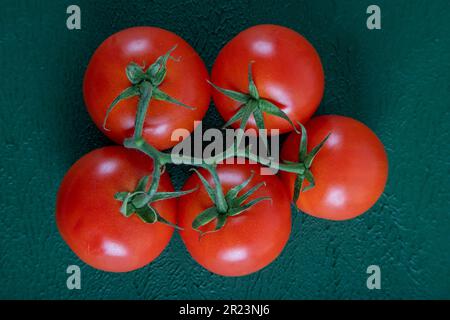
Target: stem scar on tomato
[252,104]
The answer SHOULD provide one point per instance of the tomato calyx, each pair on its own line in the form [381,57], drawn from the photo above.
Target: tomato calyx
[305,159]
[139,202]
[233,203]
[145,84]
[251,104]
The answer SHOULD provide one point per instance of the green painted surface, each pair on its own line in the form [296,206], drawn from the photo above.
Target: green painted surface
[395,80]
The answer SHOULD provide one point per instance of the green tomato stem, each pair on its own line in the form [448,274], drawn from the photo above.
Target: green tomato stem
[146,89]
[221,203]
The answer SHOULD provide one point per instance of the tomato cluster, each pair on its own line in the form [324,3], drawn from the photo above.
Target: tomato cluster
[116,207]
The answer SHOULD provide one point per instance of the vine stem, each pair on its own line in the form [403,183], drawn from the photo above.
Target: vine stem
[166,158]
[146,89]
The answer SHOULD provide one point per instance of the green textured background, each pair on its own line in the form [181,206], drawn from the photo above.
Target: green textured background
[395,80]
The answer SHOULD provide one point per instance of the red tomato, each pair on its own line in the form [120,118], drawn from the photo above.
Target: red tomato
[89,219]
[287,71]
[185,81]
[350,170]
[248,242]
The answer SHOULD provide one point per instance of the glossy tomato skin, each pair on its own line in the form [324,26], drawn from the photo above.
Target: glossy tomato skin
[89,219]
[287,71]
[105,79]
[248,242]
[350,171]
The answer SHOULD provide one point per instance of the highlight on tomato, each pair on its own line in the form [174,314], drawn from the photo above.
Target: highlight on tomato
[268,76]
[88,210]
[347,176]
[240,228]
[140,66]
